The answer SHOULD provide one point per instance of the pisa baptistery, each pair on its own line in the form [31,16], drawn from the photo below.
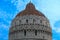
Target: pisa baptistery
[30,24]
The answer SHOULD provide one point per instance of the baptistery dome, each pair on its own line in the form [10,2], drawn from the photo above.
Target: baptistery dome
[30,24]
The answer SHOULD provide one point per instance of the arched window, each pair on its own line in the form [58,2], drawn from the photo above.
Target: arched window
[40,21]
[26,21]
[43,37]
[35,32]
[20,21]
[46,23]
[24,32]
[34,20]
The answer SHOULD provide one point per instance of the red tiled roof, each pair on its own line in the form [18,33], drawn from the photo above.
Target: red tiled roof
[30,9]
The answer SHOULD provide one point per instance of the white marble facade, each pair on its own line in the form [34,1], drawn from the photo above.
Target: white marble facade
[30,27]
[34,23]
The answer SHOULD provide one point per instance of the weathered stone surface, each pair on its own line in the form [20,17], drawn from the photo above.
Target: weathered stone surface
[30,25]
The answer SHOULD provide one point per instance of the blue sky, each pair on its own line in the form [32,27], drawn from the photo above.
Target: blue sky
[10,8]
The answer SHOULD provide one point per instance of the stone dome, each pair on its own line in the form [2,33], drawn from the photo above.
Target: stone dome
[30,10]
[30,24]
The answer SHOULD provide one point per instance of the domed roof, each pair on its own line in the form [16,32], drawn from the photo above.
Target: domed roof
[30,6]
[30,9]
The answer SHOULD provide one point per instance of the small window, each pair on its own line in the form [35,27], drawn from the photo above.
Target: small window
[20,21]
[46,23]
[34,20]
[35,32]
[43,37]
[24,32]
[40,21]
[27,21]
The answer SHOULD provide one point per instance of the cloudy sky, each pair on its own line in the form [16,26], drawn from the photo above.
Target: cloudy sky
[10,8]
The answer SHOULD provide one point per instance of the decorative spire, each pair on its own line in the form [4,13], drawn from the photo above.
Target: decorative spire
[30,6]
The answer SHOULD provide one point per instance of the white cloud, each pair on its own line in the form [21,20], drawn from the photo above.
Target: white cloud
[56,29]
[4,26]
[5,20]
[20,4]
[6,16]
